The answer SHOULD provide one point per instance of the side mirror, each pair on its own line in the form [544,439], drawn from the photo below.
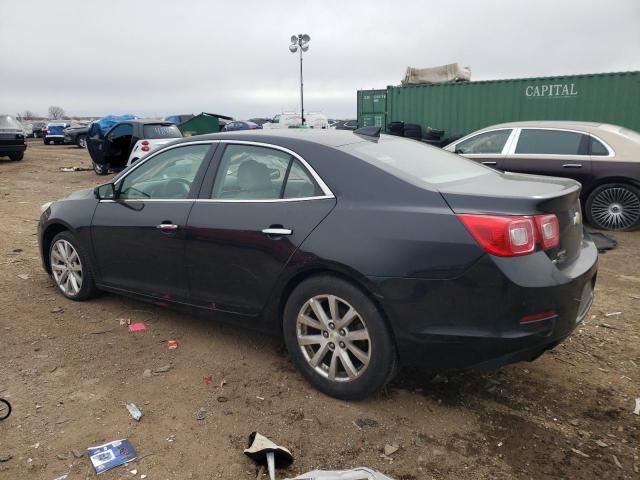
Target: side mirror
[105,192]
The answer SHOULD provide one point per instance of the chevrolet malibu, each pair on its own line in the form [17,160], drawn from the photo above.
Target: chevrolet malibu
[362,250]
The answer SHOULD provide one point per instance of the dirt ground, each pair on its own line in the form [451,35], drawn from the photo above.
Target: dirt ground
[68,368]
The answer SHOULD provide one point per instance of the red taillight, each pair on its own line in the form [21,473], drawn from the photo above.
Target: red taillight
[509,235]
[548,231]
[145,145]
[144,142]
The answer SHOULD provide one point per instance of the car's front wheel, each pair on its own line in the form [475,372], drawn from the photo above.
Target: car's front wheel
[100,169]
[70,268]
[47,142]
[614,206]
[338,339]
[81,141]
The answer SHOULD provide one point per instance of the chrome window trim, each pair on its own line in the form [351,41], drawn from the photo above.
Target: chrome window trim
[512,150]
[323,186]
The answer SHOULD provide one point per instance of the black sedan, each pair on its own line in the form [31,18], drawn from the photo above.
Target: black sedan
[361,250]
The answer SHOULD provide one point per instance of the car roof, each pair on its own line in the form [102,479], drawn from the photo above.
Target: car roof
[326,137]
[569,124]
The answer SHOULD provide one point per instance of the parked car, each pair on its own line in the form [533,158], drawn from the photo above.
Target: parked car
[127,142]
[38,129]
[54,133]
[76,135]
[604,158]
[346,125]
[12,142]
[27,128]
[357,251]
[240,125]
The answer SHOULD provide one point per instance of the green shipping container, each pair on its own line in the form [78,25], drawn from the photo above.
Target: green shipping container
[460,108]
[372,108]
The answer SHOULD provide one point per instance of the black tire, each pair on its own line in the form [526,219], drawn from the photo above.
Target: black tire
[47,142]
[614,206]
[5,409]
[81,141]
[100,169]
[87,288]
[16,156]
[380,346]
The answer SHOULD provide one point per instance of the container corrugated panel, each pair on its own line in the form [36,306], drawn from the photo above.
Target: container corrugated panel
[372,108]
[460,108]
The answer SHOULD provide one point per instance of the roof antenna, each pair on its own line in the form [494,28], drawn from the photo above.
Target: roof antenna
[373,132]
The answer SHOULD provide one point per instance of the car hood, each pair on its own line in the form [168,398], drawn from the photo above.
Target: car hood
[80,194]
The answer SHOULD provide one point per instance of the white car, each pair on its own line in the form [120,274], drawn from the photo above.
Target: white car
[292,119]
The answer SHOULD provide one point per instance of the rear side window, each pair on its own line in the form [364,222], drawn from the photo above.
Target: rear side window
[551,142]
[416,162]
[485,143]
[161,131]
[249,172]
[597,148]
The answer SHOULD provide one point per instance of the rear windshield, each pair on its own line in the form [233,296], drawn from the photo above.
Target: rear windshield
[157,130]
[7,121]
[416,162]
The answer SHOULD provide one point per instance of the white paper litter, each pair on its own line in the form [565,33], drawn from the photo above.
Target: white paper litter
[360,473]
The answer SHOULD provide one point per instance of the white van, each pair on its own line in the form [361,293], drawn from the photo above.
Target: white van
[292,119]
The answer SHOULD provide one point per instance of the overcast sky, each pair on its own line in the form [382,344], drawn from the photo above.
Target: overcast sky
[158,57]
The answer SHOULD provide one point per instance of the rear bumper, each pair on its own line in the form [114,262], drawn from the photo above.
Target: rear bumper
[474,320]
[12,148]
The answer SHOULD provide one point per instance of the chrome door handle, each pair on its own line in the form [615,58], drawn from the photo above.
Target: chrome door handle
[277,231]
[167,227]
[572,165]
[489,163]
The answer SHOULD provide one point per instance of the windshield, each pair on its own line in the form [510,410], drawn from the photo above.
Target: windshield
[159,130]
[7,121]
[416,162]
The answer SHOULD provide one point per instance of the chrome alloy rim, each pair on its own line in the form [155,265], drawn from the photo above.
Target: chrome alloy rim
[66,267]
[616,208]
[83,142]
[333,338]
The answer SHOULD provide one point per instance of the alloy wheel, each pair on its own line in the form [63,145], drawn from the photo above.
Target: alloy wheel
[616,208]
[333,338]
[66,267]
[82,142]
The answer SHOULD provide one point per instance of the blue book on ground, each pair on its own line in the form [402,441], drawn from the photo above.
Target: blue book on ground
[110,455]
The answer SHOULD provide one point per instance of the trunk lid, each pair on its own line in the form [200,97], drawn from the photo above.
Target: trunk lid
[517,194]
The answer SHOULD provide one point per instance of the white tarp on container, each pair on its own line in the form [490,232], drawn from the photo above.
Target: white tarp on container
[445,73]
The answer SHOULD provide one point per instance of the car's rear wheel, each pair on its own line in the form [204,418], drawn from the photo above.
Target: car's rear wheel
[338,339]
[17,156]
[614,206]
[81,141]
[100,169]
[70,268]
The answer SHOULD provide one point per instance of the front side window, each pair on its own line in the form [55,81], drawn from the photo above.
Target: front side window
[168,175]
[250,172]
[124,130]
[484,143]
[551,142]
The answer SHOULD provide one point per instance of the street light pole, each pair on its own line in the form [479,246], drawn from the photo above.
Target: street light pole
[300,41]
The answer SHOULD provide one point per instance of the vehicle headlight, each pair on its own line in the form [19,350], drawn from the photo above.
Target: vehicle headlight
[43,207]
